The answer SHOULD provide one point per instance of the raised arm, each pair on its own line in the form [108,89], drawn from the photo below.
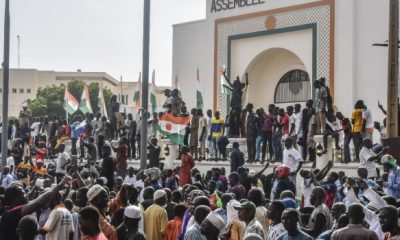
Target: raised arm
[258,175]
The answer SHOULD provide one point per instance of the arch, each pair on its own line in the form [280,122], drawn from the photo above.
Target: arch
[267,70]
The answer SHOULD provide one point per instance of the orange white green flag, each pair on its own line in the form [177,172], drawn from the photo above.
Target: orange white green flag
[70,103]
[84,105]
[173,127]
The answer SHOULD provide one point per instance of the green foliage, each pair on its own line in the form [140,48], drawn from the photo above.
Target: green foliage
[49,100]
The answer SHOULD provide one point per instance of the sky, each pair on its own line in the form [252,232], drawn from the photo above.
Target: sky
[95,35]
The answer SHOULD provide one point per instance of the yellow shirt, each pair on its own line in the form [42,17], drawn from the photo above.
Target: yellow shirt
[155,222]
[356,116]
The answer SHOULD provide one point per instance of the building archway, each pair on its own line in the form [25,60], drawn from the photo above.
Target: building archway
[278,76]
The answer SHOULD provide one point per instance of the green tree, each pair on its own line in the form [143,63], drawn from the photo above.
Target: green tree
[49,100]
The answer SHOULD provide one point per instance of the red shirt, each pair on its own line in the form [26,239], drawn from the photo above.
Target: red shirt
[99,236]
[285,124]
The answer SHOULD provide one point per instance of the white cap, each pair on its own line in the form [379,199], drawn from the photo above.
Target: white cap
[104,179]
[252,173]
[159,194]
[132,211]
[216,220]
[94,191]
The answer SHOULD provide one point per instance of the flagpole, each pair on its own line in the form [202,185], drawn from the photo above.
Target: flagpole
[6,72]
[145,84]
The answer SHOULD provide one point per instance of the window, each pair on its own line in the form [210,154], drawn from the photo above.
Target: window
[21,90]
[28,90]
[14,90]
[294,86]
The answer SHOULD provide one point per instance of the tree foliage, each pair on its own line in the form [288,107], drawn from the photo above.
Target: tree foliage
[50,99]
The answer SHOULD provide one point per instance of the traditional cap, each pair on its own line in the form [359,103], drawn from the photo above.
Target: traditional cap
[159,194]
[252,236]
[252,173]
[104,179]
[132,212]
[231,212]
[389,159]
[94,191]
[246,205]
[216,220]
[195,193]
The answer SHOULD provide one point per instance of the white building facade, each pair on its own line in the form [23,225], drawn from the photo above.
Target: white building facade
[284,45]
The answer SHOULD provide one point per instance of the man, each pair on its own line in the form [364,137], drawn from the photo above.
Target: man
[260,124]
[298,131]
[100,132]
[217,131]
[59,225]
[274,215]
[62,161]
[290,220]
[292,158]
[257,197]
[194,133]
[98,198]
[174,227]
[18,206]
[236,188]
[251,132]
[211,226]
[247,214]
[267,133]
[393,183]
[114,106]
[89,224]
[130,229]
[337,210]
[202,133]
[321,96]
[368,157]
[222,211]
[194,232]
[24,115]
[292,123]
[28,228]
[358,126]
[368,127]
[388,219]
[132,127]
[320,219]
[355,230]
[236,157]
[156,218]
[210,146]
[7,178]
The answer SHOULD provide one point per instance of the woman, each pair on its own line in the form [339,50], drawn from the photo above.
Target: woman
[187,163]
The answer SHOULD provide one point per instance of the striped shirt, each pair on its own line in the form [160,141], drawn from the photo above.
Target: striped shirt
[366,154]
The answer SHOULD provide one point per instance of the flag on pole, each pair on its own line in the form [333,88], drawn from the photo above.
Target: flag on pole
[101,103]
[153,99]
[173,127]
[225,87]
[84,105]
[199,95]
[136,95]
[70,103]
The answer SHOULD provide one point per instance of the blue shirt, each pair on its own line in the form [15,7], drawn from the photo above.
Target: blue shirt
[299,236]
[74,133]
[393,184]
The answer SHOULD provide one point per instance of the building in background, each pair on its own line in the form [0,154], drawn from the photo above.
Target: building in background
[284,45]
[24,84]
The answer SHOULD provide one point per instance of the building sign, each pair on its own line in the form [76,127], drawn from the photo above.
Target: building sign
[223,5]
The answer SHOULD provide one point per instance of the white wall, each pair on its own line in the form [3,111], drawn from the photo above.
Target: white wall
[193,47]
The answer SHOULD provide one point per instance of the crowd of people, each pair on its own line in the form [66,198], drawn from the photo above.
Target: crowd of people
[91,192]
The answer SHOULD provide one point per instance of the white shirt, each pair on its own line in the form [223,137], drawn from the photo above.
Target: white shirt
[291,158]
[298,129]
[130,180]
[59,224]
[10,162]
[7,180]
[306,187]
[292,120]
[366,154]
[35,126]
[61,161]
[275,231]
[367,116]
